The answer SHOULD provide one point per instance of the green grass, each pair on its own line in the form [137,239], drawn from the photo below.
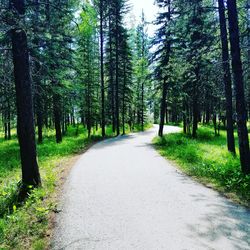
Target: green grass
[137,128]
[207,159]
[25,226]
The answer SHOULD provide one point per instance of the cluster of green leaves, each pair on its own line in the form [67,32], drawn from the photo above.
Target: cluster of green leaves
[207,159]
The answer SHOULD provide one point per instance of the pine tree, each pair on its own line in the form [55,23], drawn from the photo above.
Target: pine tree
[25,115]
[162,54]
[227,77]
[239,86]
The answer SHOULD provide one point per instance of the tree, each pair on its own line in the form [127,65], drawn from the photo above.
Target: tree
[239,86]
[116,11]
[162,55]
[127,81]
[227,77]
[88,66]
[101,6]
[25,116]
[141,70]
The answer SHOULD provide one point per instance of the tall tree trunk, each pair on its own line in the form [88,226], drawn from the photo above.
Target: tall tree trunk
[195,115]
[164,87]
[227,78]
[25,116]
[207,120]
[57,117]
[5,128]
[163,108]
[142,104]
[184,118]
[39,122]
[239,86]
[123,98]
[102,70]
[111,75]
[195,103]
[38,97]
[117,110]
[8,123]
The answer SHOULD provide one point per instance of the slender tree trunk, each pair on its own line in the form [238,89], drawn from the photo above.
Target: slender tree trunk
[123,98]
[5,128]
[207,120]
[166,118]
[38,98]
[8,120]
[40,125]
[111,75]
[195,108]
[142,108]
[25,115]
[239,86]
[215,124]
[163,108]
[184,119]
[164,87]
[63,123]
[57,117]
[117,110]
[102,70]
[195,115]
[227,78]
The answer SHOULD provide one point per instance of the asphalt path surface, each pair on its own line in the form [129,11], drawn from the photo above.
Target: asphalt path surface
[122,195]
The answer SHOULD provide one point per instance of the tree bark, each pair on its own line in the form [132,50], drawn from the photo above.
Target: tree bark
[163,108]
[24,102]
[227,78]
[57,117]
[9,124]
[117,110]
[164,90]
[239,86]
[102,70]
[195,115]
[123,98]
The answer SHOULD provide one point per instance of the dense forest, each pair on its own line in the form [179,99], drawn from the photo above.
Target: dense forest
[93,65]
[72,62]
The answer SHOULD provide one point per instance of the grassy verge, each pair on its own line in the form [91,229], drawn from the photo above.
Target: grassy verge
[27,225]
[207,159]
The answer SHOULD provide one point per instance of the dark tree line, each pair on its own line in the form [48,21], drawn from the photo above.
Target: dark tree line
[205,75]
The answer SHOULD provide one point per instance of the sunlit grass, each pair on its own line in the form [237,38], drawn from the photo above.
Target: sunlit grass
[24,226]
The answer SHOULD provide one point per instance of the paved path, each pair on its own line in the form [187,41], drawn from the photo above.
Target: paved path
[122,195]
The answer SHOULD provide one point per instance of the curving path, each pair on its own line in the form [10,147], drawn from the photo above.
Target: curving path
[122,195]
